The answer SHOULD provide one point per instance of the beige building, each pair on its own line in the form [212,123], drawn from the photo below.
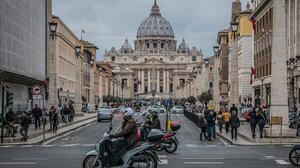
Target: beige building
[155,66]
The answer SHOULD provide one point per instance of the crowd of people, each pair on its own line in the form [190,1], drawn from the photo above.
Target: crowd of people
[210,119]
[38,117]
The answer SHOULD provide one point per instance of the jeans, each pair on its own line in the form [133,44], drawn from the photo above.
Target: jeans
[253,127]
[23,132]
[220,127]
[66,118]
[37,122]
[209,132]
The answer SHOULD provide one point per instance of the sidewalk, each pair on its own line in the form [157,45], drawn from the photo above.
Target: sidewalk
[36,136]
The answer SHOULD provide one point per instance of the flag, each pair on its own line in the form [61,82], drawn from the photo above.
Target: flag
[46,81]
[251,76]
[82,31]
[253,20]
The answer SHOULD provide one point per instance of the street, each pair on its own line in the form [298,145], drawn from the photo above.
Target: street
[68,150]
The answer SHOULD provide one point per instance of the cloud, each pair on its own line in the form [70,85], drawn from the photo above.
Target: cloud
[108,22]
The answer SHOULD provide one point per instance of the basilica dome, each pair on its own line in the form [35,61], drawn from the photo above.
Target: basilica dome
[155,25]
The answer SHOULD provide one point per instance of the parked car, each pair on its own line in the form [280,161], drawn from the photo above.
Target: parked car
[104,113]
[121,108]
[156,108]
[177,110]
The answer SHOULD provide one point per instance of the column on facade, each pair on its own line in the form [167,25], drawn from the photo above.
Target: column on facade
[149,80]
[112,87]
[78,100]
[143,81]
[139,80]
[164,81]
[106,86]
[168,81]
[157,81]
[100,93]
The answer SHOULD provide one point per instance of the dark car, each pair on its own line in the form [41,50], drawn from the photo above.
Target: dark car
[104,113]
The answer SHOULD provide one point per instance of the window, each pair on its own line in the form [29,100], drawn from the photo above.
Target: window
[162,45]
[181,59]
[211,85]
[161,59]
[113,59]
[154,45]
[146,59]
[194,58]
[148,45]
[267,69]
[125,59]
[210,69]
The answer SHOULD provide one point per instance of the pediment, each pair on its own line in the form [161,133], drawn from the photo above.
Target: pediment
[153,61]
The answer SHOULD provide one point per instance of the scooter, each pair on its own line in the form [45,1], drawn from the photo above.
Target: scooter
[168,142]
[294,155]
[142,155]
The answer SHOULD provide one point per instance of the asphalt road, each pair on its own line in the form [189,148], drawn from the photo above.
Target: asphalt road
[68,150]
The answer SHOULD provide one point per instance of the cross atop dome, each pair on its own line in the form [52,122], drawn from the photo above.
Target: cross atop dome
[155,9]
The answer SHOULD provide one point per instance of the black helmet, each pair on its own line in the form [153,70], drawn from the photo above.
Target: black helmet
[154,113]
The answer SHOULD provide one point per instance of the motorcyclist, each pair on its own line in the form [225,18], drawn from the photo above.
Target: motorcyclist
[127,138]
[155,121]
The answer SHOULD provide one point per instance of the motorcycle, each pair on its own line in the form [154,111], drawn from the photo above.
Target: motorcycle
[142,155]
[294,155]
[168,142]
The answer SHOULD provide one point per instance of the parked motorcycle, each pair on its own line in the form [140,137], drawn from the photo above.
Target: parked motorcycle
[294,155]
[168,142]
[141,156]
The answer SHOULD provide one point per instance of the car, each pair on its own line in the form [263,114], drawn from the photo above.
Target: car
[104,113]
[177,110]
[156,108]
[121,108]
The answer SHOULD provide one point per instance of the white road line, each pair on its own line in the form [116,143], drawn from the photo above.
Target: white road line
[27,146]
[31,159]
[162,156]
[270,157]
[68,145]
[47,146]
[17,163]
[88,145]
[163,161]
[211,145]
[203,162]
[190,145]
[6,146]
[202,158]
[282,162]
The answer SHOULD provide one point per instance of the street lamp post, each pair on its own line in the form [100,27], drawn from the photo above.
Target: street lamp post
[53,28]
[292,65]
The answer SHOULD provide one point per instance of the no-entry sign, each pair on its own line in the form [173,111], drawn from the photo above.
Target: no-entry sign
[36,90]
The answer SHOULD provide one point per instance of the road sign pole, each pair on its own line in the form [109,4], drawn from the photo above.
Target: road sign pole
[2,114]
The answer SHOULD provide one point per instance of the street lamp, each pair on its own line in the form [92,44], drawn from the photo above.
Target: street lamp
[216,49]
[292,65]
[53,28]
[234,28]
[77,50]
[206,61]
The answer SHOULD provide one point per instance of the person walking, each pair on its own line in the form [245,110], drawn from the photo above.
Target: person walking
[226,117]
[36,114]
[50,117]
[202,126]
[55,120]
[233,110]
[210,124]
[234,123]
[253,122]
[44,116]
[10,117]
[66,113]
[261,120]
[214,125]
[220,119]
[25,122]
[72,113]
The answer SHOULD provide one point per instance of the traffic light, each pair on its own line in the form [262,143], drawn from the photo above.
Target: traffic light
[9,98]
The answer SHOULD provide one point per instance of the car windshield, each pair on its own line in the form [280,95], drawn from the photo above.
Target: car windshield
[179,107]
[105,107]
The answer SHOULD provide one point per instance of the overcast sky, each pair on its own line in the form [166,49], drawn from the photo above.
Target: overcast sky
[108,22]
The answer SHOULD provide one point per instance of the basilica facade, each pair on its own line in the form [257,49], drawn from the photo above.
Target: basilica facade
[155,67]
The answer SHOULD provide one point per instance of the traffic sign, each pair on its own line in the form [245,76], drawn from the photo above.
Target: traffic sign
[36,96]
[36,90]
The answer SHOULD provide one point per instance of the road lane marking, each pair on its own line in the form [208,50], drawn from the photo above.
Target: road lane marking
[270,157]
[282,162]
[163,161]
[27,146]
[69,145]
[203,162]
[191,145]
[211,145]
[202,158]
[17,163]
[88,145]
[31,159]
[162,156]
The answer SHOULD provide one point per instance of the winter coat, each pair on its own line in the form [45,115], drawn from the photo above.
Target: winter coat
[55,118]
[226,116]
[261,119]
[232,109]
[210,120]
[36,112]
[10,116]
[202,122]
[234,121]
[25,121]
[253,117]
[129,132]
[156,124]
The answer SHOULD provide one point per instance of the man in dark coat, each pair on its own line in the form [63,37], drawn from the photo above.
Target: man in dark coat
[25,122]
[233,110]
[235,123]
[253,121]
[10,117]
[37,114]
[155,121]
[210,124]
[127,138]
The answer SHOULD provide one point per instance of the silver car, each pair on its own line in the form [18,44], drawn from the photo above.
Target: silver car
[156,108]
[177,110]
[104,113]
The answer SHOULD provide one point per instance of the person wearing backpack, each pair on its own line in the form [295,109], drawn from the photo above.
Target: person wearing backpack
[235,123]
[202,125]
[253,121]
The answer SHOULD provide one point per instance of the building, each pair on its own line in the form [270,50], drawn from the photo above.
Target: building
[23,49]
[155,66]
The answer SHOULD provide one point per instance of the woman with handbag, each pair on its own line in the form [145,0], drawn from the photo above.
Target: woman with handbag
[261,120]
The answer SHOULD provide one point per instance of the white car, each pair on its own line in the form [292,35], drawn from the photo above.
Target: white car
[156,108]
[177,110]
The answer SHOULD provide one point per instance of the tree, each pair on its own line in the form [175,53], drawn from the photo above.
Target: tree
[192,99]
[205,97]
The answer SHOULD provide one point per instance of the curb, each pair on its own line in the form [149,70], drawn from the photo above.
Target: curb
[14,141]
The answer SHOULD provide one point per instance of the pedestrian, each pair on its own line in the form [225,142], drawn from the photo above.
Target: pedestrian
[36,114]
[202,125]
[10,117]
[233,110]
[261,120]
[253,121]
[234,123]
[50,117]
[220,119]
[44,115]
[210,124]
[226,117]
[55,120]
[66,113]
[214,124]
[25,122]
[72,113]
